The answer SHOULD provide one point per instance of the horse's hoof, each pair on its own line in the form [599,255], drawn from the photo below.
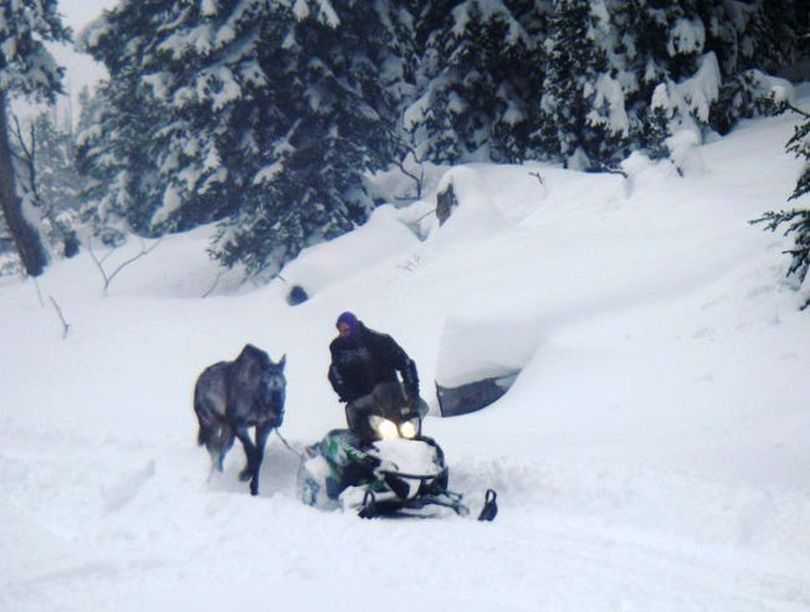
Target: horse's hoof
[244,475]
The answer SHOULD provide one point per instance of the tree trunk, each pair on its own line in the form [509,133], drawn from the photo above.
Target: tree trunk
[28,241]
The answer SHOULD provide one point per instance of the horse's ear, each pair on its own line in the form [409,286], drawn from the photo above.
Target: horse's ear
[283,361]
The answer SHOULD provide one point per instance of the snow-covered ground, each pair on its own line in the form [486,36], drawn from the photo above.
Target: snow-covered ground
[652,454]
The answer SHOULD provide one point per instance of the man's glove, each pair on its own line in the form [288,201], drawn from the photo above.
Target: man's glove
[342,396]
[337,383]
[410,380]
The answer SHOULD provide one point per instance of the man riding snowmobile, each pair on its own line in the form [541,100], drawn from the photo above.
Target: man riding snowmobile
[382,464]
[362,359]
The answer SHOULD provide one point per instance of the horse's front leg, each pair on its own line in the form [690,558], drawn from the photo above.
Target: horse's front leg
[250,452]
[262,432]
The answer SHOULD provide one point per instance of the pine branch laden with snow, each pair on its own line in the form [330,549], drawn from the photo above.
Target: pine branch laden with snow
[26,66]
[798,226]
[796,221]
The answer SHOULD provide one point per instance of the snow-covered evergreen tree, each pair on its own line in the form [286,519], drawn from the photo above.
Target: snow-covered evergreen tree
[796,220]
[58,181]
[707,56]
[582,119]
[117,141]
[654,49]
[123,148]
[337,99]
[112,155]
[478,72]
[27,68]
[92,187]
[262,115]
[47,158]
[752,40]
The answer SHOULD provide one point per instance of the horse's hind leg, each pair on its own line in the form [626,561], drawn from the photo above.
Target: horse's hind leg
[225,443]
[218,441]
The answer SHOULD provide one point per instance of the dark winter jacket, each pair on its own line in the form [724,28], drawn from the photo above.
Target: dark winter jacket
[360,363]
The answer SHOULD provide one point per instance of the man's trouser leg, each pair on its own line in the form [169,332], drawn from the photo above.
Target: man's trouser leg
[357,412]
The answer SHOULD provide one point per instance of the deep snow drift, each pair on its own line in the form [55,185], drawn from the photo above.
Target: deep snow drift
[652,454]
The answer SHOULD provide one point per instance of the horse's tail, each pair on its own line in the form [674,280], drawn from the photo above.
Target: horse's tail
[207,419]
[208,394]
[202,435]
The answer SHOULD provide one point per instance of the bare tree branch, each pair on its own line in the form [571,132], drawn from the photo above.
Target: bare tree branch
[39,292]
[432,211]
[29,160]
[409,150]
[108,277]
[97,262]
[419,180]
[21,140]
[65,324]
[144,251]
[797,110]
[214,286]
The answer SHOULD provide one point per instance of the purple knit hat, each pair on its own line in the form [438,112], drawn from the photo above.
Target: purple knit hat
[348,318]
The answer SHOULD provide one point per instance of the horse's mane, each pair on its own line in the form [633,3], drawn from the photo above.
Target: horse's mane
[252,354]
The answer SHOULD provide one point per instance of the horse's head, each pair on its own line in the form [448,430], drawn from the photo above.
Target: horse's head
[273,388]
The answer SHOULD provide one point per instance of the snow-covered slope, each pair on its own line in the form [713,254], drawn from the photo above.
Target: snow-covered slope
[652,454]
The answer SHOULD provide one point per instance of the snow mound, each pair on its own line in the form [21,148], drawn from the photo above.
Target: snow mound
[383,236]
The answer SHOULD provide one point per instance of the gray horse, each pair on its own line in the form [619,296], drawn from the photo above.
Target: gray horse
[230,397]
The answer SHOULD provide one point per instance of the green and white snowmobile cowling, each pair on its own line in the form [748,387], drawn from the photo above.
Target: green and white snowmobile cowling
[382,465]
[387,477]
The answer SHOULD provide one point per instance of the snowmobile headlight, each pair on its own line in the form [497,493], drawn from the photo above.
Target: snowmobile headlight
[386,429]
[409,429]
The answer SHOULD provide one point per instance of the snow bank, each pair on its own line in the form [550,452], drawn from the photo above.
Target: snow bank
[382,237]
[475,346]
[475,218]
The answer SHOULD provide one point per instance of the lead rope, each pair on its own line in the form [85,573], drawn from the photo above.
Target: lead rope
[287,444]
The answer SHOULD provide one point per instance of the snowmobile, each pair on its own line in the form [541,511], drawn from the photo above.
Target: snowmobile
[382,465]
